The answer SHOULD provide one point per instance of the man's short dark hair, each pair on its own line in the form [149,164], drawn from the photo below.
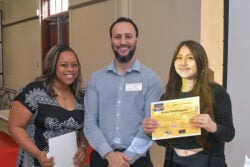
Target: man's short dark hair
[123,19]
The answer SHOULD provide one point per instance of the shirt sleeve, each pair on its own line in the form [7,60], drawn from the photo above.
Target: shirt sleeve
[91,129]
[223,115]
[27,96]
[142,142]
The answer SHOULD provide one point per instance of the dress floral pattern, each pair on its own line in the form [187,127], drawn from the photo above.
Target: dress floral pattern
[48,120]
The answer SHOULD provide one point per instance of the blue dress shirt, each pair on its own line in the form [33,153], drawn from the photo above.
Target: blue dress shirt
[115,106]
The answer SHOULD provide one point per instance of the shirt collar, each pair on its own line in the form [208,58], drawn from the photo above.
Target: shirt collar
[136,66]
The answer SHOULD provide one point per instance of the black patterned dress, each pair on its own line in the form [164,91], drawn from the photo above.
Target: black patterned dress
[48,120]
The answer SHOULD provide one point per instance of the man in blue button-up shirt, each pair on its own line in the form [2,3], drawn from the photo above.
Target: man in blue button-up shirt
[117,99]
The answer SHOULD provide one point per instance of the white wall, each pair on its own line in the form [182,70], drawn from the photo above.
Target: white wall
[167,27]
[89,36]
[21,43]
[238,79]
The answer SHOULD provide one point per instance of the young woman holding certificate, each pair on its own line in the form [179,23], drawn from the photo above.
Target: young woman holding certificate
[189,76]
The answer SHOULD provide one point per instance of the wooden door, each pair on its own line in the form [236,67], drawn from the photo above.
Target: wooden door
[55,30]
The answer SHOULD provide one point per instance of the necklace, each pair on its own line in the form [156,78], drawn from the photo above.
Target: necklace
[60,94]
[63,97]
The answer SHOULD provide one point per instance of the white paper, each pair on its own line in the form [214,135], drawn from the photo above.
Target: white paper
[247,162]
[63,148]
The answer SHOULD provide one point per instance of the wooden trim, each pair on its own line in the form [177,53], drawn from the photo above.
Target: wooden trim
[21,21]
[84,4]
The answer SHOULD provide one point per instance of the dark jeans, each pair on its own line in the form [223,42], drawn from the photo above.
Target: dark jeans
[97,161]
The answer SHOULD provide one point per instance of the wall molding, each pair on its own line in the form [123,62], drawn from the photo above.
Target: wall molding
[21,21]
[84,4]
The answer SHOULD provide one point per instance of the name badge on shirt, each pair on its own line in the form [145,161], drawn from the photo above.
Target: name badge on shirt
[133,87]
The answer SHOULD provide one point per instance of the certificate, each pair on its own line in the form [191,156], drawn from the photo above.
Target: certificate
[63,148]
[173,117]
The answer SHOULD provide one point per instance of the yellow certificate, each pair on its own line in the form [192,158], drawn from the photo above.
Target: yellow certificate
[173,117]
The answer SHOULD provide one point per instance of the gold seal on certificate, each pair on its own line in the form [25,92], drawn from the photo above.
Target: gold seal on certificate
[173,117]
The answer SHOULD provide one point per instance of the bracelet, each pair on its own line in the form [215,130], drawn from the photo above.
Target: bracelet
[85,148]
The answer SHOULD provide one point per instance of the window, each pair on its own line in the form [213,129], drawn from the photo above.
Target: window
[54,7]
[58,6]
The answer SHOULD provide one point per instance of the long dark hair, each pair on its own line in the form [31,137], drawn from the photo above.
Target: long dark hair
[201,87]
[49,71]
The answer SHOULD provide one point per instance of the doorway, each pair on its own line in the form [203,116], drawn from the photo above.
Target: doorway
[55,24]
[55,30]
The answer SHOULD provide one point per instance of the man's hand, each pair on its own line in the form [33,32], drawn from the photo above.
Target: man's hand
[117,159]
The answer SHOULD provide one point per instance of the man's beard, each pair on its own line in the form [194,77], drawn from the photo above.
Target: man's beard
[124,59]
